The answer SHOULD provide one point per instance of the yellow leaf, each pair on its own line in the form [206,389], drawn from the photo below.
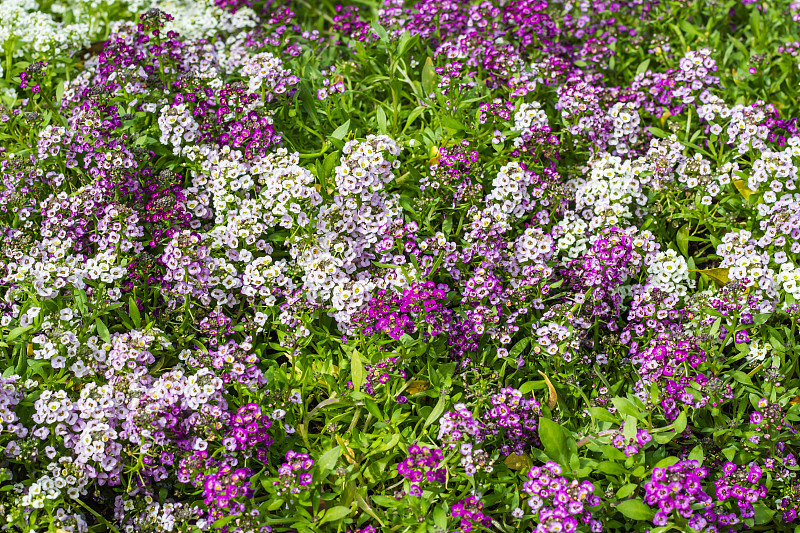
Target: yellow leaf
[349,454]
[518,462]
[664,117]
[553,398]
[30,350]
[741,186]
[417,386]
[434,155]
[717,275]
[795,400]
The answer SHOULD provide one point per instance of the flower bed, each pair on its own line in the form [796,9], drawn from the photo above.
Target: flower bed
[501,265]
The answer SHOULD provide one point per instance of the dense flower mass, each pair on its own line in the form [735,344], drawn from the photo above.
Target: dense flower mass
[398,265]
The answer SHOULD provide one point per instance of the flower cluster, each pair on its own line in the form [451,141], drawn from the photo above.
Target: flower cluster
[558,503]
[677,490]
[421,467]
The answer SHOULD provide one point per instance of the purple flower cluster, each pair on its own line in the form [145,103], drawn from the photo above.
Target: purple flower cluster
[348,21]
[293,475]
[739,484]
[380,373]
[469,511]
[460,430]
[770,418]
[518,417]
[678,489]
[422,466]
[558,503]
[32,72]
[223,486]
[248,432]
[631,446]
[672,365]
[421,306]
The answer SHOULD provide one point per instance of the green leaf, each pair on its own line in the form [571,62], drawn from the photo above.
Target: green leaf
[133,311]
[680,422]
[741,377]
[341,131]
[452,123]
[102,330]
[610,467]
[518,348]
[440,517]
[381,115]
[528,386]
[381,31]
[635,509]
[667,461]
[80,301]
[663,438]
[763,514]
[683,240]
[626,407]
[554,441]
[16,332]
[385,501]
[626,490]
[372,407]
[447,227]
[603,414]
[405,43]
[328,459]
[438,409]
[60,91]
[697,454]
[657,132]
[335,513]
[356,370]
[428,77]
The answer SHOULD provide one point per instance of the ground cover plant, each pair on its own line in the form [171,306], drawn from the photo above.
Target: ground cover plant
[499,265]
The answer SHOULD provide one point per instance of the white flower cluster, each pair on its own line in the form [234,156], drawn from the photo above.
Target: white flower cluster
[612,194]
[510,190]
[777,170]
[49,487]
[265,69]
[287,193]
[789,279]
[48,275]
[670,273]
[694,171]
[348,231]
[529,117]
[10,396]
[747,265]
[29,32]
[153,517]
[627,125]
[745,126]
[534,246]
[572,238]
[177,125]
[261,276]
[198,19]
[364,170]
[758,352]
